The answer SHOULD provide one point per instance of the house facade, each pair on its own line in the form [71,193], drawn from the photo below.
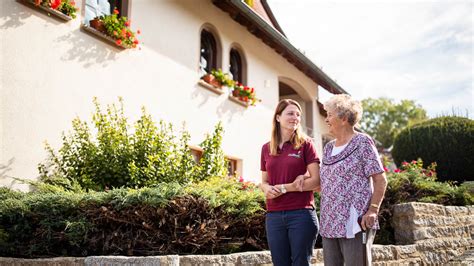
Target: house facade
[51,69]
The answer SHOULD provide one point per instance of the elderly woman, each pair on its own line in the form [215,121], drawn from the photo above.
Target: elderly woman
[353,184]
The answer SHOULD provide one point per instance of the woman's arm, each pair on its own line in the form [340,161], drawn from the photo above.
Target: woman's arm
[270,191]
[380,184]
[305,183]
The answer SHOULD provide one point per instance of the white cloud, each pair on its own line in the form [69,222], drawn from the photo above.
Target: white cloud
[419,50]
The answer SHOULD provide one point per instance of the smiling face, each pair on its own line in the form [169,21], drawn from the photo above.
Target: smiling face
[335,124]
[289,118]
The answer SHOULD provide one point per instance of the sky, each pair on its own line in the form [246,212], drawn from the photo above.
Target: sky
[401,49]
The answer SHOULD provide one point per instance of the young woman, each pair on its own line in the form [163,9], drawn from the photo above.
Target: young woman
[290,173]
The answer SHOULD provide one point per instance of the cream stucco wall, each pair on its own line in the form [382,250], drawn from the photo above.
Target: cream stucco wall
[50,71]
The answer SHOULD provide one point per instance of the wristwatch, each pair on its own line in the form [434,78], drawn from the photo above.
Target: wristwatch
[282,189]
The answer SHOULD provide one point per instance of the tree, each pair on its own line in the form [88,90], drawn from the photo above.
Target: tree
[383,118]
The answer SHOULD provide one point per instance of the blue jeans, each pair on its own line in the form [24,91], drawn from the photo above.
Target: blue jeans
[291,236]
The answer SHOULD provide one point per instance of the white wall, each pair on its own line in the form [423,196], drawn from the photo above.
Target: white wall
[51,70]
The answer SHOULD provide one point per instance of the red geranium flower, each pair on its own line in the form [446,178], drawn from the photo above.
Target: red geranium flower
[127,23]
[118,42]
[55,4]
[116,12]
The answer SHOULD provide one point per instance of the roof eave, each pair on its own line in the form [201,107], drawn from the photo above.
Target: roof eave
[244,15]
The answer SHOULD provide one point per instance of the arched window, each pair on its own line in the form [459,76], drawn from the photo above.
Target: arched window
[236,66]
[208,59]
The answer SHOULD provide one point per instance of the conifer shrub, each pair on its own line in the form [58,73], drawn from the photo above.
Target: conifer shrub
[446,141]
[169,218]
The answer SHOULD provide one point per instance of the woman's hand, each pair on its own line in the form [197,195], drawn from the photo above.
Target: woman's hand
[270,191]
[368,220]
[299,182]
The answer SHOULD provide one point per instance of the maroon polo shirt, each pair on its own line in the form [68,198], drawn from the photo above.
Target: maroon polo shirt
[283,169]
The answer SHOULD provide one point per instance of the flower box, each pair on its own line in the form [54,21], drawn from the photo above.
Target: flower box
[210,87]
[239,101]
[51,11]
[244,95]
[98,25]
[102,36]
[113,29]
[211,80]
[240,94]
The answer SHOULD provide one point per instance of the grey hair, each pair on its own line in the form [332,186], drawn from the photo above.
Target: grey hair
[345,107]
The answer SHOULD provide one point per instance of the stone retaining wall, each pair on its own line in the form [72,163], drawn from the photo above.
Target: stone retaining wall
[426,234]
[436,233]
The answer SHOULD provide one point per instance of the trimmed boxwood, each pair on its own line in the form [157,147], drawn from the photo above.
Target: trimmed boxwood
[447,141]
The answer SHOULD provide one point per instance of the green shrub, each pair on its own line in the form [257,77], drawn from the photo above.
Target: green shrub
[448,141]
[213,162]
[116,157]
[240,198]
[165,219]
[6,193]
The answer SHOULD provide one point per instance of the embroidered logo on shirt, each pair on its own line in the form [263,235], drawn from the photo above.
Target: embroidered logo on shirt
[296,155]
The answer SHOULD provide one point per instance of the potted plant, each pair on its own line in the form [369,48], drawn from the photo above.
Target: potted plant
[118,28]
[66,7]
[218,78]
[245,94]
[97,23]
[211,79]
[223,78]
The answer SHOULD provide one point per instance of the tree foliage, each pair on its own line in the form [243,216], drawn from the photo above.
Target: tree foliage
[383,118]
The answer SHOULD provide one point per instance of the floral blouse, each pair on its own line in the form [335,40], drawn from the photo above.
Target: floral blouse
[346,183]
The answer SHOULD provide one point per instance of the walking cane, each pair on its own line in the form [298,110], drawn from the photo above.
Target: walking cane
[364,242]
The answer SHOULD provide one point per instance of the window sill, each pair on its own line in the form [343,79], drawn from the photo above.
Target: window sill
[237,101]
[208,86]
[47,10]
[103,37]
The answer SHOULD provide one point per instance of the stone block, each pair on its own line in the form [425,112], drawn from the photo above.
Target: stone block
[383,253]
[456,210]
[171,260]
[406,252]
[254,258]
[429,209]
[60,261]
[441,232]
